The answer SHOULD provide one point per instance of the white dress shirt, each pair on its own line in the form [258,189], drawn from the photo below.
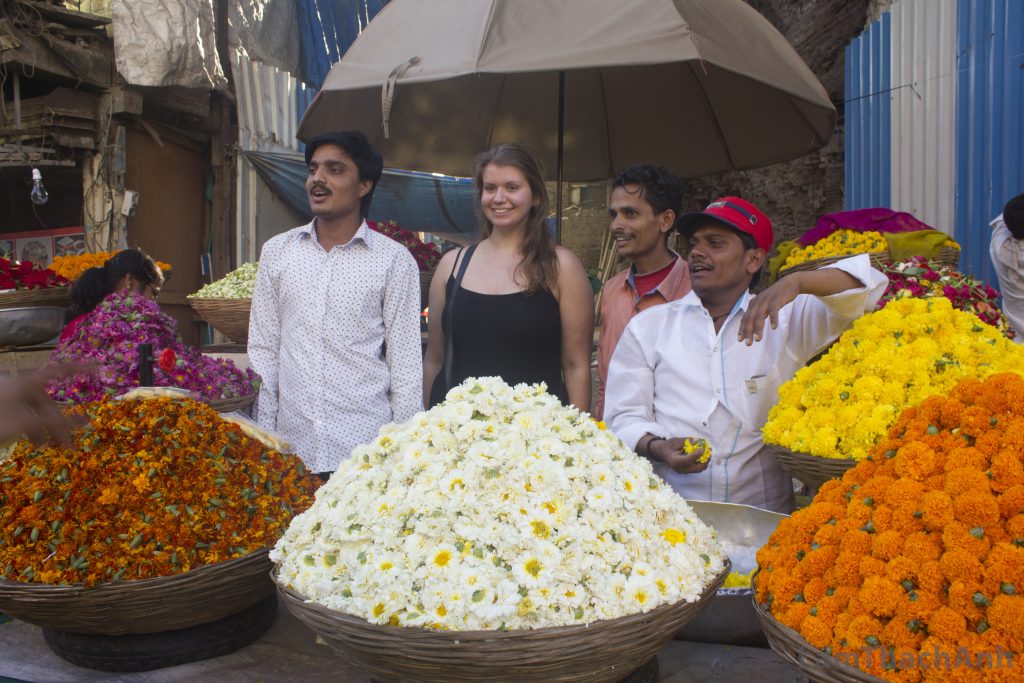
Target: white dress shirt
[673,375]
[1008,259]
[335,337]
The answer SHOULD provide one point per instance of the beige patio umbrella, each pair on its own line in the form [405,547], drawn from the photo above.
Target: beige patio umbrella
[696,85]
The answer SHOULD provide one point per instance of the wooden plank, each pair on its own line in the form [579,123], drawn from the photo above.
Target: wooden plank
[71,64]
[65,16]
[185,100]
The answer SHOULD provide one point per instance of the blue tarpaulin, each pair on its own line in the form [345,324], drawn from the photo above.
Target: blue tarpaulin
[326,29]
[421,202]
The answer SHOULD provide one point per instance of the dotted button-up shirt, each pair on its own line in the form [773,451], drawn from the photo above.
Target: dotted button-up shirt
[335,337]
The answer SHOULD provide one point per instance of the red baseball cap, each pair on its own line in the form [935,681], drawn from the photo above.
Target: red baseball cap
[735,213]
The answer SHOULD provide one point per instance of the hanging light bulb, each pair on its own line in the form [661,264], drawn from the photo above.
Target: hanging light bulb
[39,194]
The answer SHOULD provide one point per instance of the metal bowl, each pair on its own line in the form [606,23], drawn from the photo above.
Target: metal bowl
[30,325]
[730,617]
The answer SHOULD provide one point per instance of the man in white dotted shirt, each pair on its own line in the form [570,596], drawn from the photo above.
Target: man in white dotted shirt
[334,331]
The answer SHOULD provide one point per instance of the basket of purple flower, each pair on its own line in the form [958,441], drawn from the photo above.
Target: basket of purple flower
[109,336]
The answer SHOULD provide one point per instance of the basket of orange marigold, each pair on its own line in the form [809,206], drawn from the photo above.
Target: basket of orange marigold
[157,517]
[911,568]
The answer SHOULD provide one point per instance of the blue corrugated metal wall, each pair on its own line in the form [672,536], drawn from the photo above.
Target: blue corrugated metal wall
[868,117]
[990,118]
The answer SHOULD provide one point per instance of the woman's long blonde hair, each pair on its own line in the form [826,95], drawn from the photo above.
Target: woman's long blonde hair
[539,265]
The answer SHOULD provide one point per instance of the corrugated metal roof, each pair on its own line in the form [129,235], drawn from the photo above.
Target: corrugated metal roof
[270,104]
[868,117]
[990,118]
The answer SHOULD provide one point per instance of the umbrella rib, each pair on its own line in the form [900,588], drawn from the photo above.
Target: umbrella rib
[711,112]
[484,34]
[610,172]
[494,111]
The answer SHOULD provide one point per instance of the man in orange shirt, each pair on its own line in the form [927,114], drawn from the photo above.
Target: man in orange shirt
[645,204]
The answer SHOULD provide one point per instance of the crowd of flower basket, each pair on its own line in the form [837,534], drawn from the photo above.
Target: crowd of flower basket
[470,506]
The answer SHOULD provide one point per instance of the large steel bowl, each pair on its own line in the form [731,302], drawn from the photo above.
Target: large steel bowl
[30,325]
[730,618]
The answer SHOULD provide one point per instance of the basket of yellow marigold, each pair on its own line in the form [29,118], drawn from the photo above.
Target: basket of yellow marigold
[812,470]
[158,517]
[833,412]
[913,563]
[839,245]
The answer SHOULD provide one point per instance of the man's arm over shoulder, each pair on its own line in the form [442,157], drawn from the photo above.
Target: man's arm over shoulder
[833,297]
[402,343]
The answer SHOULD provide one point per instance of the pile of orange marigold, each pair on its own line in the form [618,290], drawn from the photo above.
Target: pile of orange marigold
[919,550]
[73,265]
[148,488]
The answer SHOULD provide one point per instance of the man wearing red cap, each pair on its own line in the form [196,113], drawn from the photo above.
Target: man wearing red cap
[708,367]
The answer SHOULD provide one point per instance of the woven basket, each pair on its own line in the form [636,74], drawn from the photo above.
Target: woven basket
[602,652]
[163,603]
[230,316]
[949,256]
[878,260]
[226,405]
[819,666]
[810,469]
[426,276]
[49,296]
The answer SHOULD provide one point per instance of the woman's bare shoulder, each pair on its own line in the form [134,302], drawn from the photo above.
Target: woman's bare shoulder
[567,259]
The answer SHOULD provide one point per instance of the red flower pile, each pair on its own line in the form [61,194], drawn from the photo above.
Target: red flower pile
[26,275]
[426,255]
[923,278]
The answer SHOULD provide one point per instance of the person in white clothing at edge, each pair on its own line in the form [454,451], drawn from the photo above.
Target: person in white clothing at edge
[1006,250]
[334,331]
[709,365]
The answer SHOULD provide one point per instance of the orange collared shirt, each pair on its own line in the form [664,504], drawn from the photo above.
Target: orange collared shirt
[619,303]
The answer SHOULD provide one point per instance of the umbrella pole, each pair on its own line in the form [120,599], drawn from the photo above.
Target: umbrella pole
[558,157]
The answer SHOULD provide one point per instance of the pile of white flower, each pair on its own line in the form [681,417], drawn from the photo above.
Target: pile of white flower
[498,509]
[238,284]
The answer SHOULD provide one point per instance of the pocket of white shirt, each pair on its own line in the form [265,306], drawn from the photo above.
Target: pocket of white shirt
[760,392]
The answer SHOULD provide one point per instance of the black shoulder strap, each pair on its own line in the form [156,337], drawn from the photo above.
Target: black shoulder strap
[449,307]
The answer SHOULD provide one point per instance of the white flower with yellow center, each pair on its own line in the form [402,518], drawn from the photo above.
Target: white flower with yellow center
[498,508]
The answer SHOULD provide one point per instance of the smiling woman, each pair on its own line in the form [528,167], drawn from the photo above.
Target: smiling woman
[524,306]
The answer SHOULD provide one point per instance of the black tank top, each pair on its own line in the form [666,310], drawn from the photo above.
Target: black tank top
[517,337]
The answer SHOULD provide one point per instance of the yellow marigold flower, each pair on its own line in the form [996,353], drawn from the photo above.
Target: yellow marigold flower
[844,403]
[840,243]
[691,445]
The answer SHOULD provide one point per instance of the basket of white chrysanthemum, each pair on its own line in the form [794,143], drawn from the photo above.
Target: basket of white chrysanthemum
[498,536]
